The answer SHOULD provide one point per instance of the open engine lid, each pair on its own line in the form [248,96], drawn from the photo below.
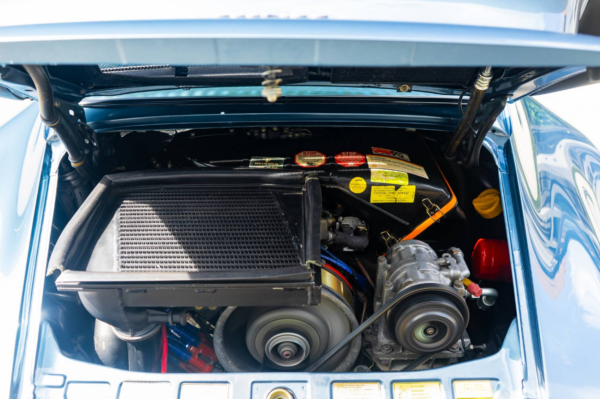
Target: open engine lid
[433,53]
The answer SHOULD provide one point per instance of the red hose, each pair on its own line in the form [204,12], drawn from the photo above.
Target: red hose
[165,350]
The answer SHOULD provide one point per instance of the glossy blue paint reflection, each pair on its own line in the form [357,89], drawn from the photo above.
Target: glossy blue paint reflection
[559,182]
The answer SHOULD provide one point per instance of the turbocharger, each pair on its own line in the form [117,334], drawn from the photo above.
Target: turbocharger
[433,314]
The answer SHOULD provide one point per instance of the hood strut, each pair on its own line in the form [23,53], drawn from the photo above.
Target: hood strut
[65,129]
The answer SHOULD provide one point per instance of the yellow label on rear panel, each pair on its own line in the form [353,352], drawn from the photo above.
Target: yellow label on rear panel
[357,390]
[381,162]
[389,176]
[389,194]
[473,389]
[383,194]
[418,390]
[358,185]
[406,194]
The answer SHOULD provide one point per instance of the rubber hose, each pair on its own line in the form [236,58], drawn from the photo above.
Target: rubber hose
[465,124]
[48,112]
[52,118]
[351,241]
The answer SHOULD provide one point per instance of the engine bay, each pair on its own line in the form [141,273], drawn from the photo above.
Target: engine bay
[279,249]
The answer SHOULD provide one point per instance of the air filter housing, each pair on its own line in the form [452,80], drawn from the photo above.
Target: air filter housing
[182,239]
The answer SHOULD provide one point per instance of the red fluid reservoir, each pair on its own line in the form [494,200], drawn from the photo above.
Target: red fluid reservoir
[491,260]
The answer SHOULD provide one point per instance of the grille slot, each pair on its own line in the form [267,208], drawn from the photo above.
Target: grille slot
[189,230]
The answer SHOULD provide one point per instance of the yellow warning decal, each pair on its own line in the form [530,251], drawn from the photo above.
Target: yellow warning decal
[406,194]
[381,162]
[358,185]
[473,389]
[389,176]
[357,390]
[389,194]
[418,390]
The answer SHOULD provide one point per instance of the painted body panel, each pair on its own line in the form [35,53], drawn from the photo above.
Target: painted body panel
[21,155]
[558,172]
[548,15]
[549,172]
[59,376]
[301,42]
[548,185]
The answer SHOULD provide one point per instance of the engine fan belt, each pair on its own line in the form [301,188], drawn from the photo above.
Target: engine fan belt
[383,310]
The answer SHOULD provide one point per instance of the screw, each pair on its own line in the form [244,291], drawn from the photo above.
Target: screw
[386,348]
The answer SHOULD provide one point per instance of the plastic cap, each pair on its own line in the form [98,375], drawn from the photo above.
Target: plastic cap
[488,203]
[475,290]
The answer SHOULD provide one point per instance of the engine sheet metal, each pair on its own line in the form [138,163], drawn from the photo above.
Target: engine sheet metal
[365,170]
[504,370]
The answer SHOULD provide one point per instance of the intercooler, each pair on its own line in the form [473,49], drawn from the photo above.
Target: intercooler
[194,230]
[186,239]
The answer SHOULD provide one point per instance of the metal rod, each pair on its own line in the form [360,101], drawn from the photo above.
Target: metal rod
[364,271]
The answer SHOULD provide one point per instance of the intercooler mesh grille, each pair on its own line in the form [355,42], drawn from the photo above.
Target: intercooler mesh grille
[192,230]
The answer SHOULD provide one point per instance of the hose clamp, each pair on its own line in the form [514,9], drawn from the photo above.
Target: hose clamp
[78,164]
[51,123]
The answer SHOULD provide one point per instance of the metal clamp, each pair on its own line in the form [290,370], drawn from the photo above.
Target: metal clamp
[271,90]
[432,209]
[388,238]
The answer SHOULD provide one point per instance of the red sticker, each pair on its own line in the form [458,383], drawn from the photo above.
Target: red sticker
[390,153]
[310,159]
[350,159]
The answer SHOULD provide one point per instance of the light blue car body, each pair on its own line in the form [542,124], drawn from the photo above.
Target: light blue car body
[549,174]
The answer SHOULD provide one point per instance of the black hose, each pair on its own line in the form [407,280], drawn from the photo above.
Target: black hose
[52,118]
[474,153]
[350,337]
[469,114]
[351,241]
[465,123]
[45,94]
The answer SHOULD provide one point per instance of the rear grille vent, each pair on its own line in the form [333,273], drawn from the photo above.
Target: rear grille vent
[203,230]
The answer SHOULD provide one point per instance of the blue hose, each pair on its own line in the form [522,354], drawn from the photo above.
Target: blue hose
[331,258]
